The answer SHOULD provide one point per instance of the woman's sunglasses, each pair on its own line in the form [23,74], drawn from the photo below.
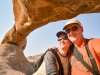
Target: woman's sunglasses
[64,38]
[75,28]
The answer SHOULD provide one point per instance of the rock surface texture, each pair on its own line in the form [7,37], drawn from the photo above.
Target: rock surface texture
[30,15]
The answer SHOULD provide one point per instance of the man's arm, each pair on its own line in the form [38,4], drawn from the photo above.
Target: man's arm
[96,45]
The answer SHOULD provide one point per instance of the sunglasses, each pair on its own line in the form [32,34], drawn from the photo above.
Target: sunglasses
[75,28]
[64,38]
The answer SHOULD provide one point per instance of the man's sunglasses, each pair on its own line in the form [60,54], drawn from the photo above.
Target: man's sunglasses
[64,38]
[75,28]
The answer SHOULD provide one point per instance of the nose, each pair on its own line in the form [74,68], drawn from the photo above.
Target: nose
[71,31]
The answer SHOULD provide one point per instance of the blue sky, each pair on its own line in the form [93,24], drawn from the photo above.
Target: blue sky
[40,39]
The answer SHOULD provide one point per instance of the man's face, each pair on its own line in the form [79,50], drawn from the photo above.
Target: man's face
[63,41]
[74,32]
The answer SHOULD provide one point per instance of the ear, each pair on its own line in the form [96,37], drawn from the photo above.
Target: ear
[82,29]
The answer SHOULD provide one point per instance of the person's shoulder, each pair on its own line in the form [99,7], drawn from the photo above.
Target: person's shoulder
[50,52]
[94,40]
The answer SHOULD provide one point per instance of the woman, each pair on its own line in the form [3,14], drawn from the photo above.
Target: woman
[64,51]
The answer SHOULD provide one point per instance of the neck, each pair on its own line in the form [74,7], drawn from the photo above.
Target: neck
[63,51]
[79,42]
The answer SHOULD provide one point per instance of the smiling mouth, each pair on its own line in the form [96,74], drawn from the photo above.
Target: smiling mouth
[73,36]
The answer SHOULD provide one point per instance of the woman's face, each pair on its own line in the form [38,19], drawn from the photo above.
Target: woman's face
[63,41]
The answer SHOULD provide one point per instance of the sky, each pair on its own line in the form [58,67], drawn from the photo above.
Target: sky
[39,40]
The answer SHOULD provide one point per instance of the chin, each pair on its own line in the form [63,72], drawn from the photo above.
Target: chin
[72,39]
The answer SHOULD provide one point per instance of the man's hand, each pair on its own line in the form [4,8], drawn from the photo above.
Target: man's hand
[52,48]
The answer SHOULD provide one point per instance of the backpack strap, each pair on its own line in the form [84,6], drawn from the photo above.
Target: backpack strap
[79,57]
[92,59]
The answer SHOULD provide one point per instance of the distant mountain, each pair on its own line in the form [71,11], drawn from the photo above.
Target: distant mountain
[33,58]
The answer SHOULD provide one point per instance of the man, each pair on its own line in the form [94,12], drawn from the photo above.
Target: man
[74,30]
[63,52]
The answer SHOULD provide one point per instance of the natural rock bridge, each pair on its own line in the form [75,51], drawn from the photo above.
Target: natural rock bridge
[29,15]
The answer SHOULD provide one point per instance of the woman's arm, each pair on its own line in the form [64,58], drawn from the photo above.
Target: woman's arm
[51,64]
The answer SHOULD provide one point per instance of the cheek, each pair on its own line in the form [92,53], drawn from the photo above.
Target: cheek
[68,42]
[71,39]
[68,35]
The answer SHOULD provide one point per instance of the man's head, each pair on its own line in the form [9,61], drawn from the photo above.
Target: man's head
[63,39]
[74,30]
[72,21]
